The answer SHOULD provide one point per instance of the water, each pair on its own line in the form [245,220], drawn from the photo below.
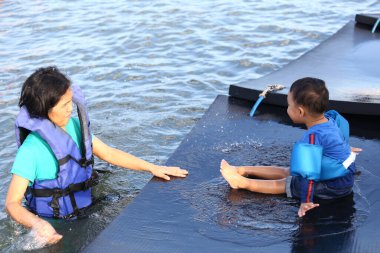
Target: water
[259,220]
[149,70]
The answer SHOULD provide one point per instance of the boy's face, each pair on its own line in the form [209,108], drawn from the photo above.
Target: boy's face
[294,111]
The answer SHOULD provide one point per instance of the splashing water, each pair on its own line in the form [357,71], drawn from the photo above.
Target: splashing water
[228,148]
[260,220]
[30,241]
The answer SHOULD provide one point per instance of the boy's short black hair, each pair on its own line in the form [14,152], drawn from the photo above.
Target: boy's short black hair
[42,91]
[311,93]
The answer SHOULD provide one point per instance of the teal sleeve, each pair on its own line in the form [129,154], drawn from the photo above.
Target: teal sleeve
[25,164]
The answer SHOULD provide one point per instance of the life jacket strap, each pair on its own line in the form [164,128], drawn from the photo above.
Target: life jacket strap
[309,194]
[74,204]
[83,162]
[57,193]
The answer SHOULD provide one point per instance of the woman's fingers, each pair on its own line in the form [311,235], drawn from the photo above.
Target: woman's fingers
[164,172]
[175,171]
[54,238]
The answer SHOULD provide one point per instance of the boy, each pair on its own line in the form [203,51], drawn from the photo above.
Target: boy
[307,103]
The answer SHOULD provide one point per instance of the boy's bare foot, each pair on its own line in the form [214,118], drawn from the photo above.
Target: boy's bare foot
[231,175]
[225,164]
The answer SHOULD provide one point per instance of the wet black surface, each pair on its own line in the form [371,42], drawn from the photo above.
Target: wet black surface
[202,214]
[347,61]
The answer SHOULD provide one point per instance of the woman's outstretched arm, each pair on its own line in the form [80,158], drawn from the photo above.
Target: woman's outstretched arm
[120,158]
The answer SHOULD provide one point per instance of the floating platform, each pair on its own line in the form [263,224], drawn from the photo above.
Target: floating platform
[201,213]
[348,62]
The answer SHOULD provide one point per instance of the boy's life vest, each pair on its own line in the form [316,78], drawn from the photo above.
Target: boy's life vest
[66,195]
[307,159]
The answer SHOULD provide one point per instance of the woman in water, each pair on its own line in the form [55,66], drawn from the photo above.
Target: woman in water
[53,165]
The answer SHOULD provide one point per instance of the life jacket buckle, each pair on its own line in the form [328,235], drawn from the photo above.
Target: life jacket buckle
[83,162]
[57,192]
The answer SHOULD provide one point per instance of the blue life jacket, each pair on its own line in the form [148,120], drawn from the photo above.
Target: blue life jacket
[66,195]
[307,160]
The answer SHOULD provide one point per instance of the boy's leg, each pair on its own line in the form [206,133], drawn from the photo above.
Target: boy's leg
[265,172]
[237,181]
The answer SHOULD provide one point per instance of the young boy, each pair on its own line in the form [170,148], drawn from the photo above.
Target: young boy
[307,103]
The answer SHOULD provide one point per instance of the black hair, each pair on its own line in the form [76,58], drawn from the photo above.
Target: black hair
[311,93]
[42,91]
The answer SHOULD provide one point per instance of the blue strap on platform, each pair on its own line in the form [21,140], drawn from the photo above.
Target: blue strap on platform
[376,25]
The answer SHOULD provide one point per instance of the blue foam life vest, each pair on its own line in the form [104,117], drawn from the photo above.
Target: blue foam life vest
[307,160]
[66,195]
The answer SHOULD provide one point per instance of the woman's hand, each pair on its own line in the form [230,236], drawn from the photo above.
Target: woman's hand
[164,172]
[44,233]
[306,207]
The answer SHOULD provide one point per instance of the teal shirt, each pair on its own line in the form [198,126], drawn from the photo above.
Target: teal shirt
[35,159]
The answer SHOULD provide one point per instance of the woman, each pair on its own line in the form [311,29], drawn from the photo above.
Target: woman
[53,165]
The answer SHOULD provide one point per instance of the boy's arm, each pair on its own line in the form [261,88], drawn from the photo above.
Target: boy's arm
[307,192]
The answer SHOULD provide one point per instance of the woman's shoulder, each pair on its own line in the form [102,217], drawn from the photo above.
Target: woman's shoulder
[33,139]
[34,144]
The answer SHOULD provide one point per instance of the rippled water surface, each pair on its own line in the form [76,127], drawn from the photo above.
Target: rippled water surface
[149,70]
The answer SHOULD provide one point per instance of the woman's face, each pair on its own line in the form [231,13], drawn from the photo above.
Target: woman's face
[61,112]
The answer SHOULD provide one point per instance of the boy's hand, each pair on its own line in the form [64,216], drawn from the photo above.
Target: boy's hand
[356,150]
[306,207]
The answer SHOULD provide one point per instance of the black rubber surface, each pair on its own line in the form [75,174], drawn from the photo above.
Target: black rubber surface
[367,19]
[348,62]
[202,214]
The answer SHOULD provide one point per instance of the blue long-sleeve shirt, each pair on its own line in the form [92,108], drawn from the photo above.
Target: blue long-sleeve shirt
[329,136]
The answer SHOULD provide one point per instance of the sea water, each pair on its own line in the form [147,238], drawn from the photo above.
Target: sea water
[149,70]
